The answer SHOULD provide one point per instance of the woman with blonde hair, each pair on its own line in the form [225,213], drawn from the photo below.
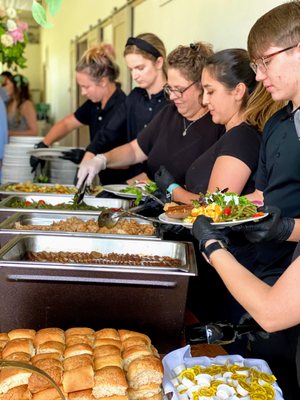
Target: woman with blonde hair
[96,74]
[145,56]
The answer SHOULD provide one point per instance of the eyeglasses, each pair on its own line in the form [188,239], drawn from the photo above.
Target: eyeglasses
[177,92]
[261,63]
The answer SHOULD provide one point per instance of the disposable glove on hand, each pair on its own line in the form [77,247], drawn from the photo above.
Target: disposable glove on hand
[163,178]
[90,168]
[274,227]
[203,231]
[74,155]
[34,161]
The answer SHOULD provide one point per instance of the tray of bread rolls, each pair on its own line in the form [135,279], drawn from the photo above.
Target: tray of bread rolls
[79,364]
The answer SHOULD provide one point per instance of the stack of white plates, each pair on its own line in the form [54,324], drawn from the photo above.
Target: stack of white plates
[62,171]
[15,165]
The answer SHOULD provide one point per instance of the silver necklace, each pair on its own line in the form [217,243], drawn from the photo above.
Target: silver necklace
[186,127]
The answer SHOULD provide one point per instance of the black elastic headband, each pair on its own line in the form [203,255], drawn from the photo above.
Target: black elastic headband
[143,45]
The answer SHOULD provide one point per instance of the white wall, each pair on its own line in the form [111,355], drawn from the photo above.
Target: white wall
[224,23]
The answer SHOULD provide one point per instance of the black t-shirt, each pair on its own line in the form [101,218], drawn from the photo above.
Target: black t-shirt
[164,144]
[97,118]
[278,174]
[242,142]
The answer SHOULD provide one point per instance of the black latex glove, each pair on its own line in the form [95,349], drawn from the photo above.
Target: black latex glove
[203,231]
[163,178]
[273,227]
[74,155]
[34,161]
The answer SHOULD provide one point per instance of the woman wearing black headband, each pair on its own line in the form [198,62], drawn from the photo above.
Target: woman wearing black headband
[179,133]
[145,56]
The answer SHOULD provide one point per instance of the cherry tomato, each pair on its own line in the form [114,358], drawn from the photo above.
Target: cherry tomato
[41,202]
[258,214]
[227,211]
[27,203]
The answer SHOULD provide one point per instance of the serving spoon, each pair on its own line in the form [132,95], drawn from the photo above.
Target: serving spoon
[109,218]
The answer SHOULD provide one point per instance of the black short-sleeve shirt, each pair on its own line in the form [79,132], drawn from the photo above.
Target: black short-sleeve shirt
[278,174]
[164,143]
[96,117]
[242,142]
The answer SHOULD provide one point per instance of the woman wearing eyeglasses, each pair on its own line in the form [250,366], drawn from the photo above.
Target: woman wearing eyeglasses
[234,100]
[179,133]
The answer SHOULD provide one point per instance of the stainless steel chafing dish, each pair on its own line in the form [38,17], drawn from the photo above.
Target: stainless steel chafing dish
[58,199]
[148,299]
[7,227]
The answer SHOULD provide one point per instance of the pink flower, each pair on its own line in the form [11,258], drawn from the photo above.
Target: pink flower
[23,26]
[17,35]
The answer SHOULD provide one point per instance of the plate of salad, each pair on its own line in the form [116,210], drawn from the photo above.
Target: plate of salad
[224,208]
[139,190]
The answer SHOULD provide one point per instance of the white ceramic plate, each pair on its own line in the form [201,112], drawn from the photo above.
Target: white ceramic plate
[172,221]
[116,189]
[48,154]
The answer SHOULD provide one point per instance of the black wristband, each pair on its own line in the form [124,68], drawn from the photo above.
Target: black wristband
[208,250]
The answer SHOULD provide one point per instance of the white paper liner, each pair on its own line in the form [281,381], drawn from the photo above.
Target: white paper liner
[183,356]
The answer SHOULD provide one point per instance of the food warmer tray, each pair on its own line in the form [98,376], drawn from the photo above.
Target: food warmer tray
[7,227]
[57,199]
[147,299]
[5,193]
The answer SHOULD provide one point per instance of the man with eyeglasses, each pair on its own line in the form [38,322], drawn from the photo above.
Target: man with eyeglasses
[274,47]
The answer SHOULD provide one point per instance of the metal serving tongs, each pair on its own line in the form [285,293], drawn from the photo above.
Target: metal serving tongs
[109,218]
[78,197]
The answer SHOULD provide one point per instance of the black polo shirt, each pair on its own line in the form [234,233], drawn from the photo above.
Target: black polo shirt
[96,117]
[278,174]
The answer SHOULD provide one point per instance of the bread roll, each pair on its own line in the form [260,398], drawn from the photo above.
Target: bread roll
[53,368]
[107,333]
[80,339]
[17,393]
[144,392]
[110,381]
[82,395]
[20,356]
[17,346]
[21,334]
[4,336]
[78,379]
[125,334]
[133,353]
[79,331]
[2,344]
[11,378]
[77,361]
[106,350]
[115,397]
[55,356]
[105,342]
[49,335]
[106,361]
[134,341]
[144,371]
[48,394]
[77,350]
[51,347]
